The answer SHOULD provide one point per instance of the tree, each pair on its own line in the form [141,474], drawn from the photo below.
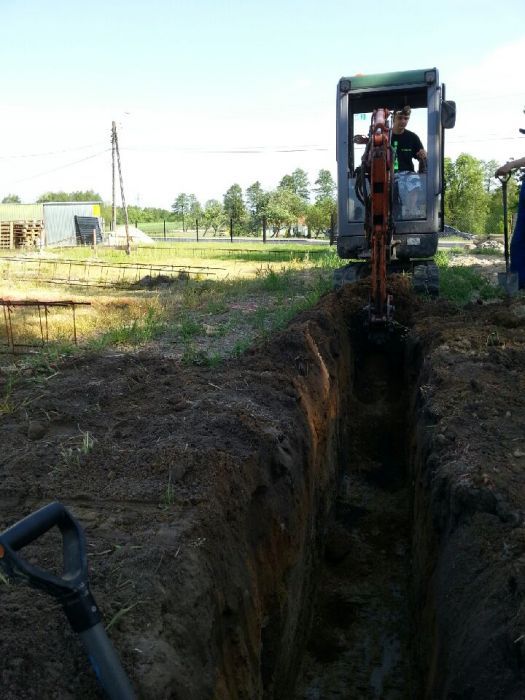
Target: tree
[319,215]
[466,201]
[494,222]
[11,199]
[194,209]
[297,183]
[489,180]
[234,204]
[283,210]
[181,206]
[257,203]
[213,216]
[79,196]
[324,186]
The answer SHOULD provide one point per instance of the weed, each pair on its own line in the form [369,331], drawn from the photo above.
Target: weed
[189,328]
[459,284]
[442,259]
[272,281]
[214,359]
[216,307]
[168,498]
[6,402]
[120,614]
[70,456]
[496,252]
[87,443]
[241,346]
[193,356]
[137,332]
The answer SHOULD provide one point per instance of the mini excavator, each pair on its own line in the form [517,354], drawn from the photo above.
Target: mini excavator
[388,221]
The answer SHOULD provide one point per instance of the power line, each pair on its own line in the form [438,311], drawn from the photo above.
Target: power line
[486,138]
[50,153]
[240,149]
[61,167]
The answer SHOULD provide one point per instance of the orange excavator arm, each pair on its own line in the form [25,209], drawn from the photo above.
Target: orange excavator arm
[378,223]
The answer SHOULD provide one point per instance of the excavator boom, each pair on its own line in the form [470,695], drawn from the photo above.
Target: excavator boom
[377,166]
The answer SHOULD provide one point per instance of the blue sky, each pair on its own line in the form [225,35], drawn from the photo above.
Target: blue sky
[211,93]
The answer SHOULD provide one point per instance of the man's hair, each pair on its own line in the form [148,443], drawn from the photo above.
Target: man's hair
[404,111]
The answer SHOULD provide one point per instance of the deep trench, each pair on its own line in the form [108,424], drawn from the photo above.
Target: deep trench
[359,644]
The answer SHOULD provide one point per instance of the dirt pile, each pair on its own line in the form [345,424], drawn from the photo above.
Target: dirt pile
[206,496]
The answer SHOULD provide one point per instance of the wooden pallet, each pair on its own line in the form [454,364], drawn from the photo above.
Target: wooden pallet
[21,234]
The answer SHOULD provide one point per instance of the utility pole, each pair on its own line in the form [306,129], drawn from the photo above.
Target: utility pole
[113,181]
[115,150]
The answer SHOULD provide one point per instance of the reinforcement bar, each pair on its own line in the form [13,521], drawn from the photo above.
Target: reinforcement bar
[9,305]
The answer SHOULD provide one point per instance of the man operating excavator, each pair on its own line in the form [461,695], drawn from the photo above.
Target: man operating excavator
[406,147]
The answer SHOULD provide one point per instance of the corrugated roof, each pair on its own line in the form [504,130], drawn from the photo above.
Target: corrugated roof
[21,212]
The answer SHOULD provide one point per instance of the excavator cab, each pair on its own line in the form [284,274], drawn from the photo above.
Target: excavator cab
[416,203]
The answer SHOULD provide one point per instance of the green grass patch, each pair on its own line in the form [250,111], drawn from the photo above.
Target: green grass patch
[137,332]
[488,251]
[189,328]
[461,284]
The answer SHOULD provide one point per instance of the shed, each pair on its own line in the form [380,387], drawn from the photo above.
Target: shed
[59,220]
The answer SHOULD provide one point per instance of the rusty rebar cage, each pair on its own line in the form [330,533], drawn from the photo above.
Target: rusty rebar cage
[17,331]
[98,273]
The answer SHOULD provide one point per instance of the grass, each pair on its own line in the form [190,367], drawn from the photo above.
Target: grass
[168,498]
[71,455]
[488,251]
[461,284]
[6,401]
[257,293]
[204,320]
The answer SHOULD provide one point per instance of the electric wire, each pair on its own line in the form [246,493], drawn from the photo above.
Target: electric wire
[50,153]
[62,167]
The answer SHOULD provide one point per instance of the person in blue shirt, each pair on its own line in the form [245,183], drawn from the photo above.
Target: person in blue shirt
[517,243]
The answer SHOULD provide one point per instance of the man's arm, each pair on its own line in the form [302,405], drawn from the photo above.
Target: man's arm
[420,153]
[510,166]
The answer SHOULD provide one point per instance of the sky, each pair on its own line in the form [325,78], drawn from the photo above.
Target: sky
[206,94]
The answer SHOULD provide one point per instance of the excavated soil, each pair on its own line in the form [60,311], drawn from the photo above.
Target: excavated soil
[319,519]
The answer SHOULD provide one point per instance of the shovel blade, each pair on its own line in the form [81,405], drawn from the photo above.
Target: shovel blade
[509,281]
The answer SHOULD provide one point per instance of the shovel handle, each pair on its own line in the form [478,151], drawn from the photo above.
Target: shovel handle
[71,589]
[504,180]
[36,524]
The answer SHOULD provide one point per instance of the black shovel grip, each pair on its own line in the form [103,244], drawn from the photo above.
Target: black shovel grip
[71,588]
[36,524]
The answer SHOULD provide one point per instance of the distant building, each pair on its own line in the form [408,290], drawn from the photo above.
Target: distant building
[50,223]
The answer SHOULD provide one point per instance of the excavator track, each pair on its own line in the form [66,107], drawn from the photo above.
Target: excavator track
[350,274]
[425,278]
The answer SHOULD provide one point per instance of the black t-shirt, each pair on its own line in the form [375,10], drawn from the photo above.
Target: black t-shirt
[405,146]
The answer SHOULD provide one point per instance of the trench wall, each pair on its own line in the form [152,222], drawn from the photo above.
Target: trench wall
[464,622]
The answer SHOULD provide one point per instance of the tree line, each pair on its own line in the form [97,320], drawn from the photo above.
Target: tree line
[473,198]
[472,203]
[286,209]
